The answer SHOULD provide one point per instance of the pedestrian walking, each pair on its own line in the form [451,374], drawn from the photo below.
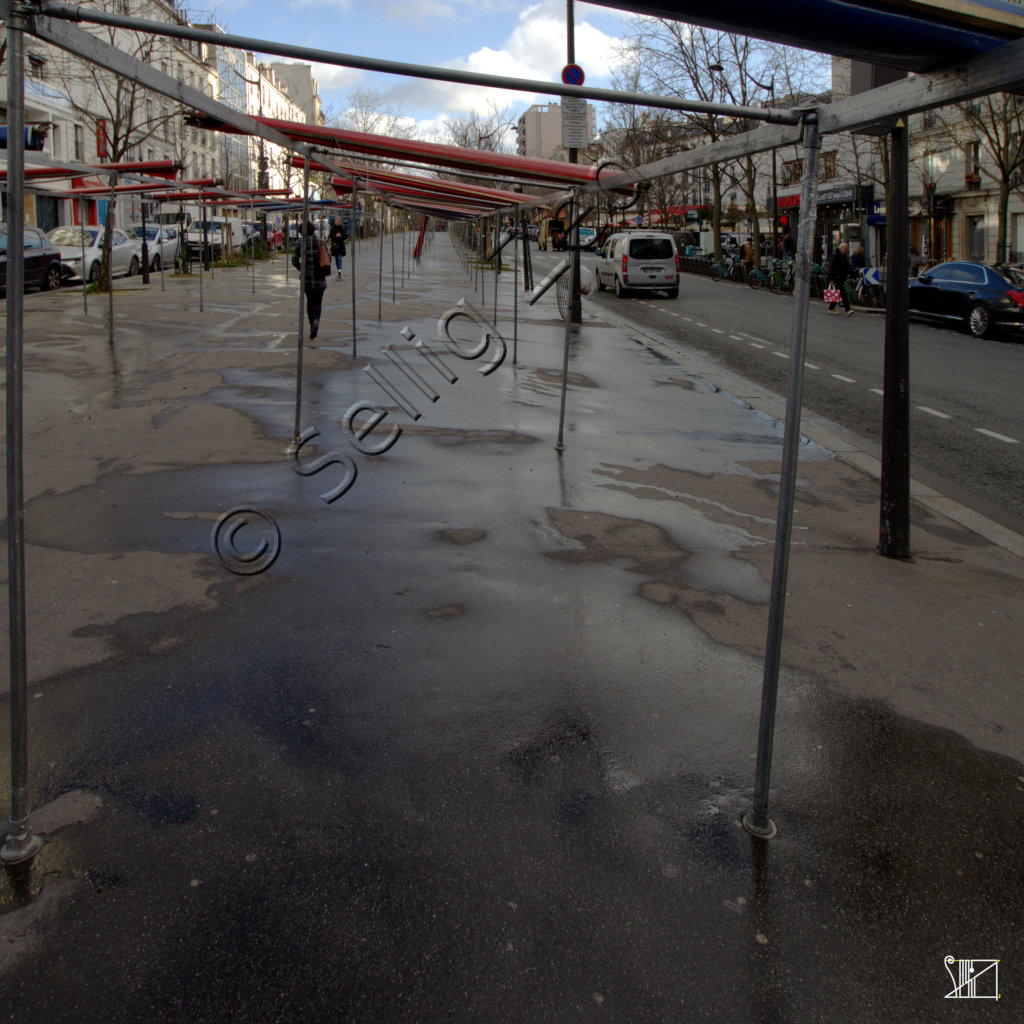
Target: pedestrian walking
[788,246]
[839,270]
[336,243]
[316,273]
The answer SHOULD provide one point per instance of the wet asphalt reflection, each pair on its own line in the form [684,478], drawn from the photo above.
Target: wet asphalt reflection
[458,756]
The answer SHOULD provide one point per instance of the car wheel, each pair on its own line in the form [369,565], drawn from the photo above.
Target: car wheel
[53,279]
[156,264]
[133,267]
[979,320]
[620,292]
[672,293]
[94,273]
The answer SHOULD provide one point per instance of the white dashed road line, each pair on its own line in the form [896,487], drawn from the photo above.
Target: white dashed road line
[754,344]
[934,412]
[781,355]
[877,391]
[734,337]
[998,437]
[845,380]
[812,366]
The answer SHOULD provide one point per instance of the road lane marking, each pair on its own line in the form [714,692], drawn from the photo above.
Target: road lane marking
[735,337]
[998,437]
[754,344]
[845,380]
[811,366]
[689,319]
[717,331]
[877,391]
[699,324]
[934,412]
[781,355]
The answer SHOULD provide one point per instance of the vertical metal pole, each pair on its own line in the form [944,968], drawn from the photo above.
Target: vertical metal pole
[575,304]
[110,263]
[515,294]
[85,284]
[380,261]
[403,247]
[894,512]
[160,238]
[287,252]
[575,257]
[497,263]
[145,246]
[252,249]
[756,821]
[393,299]
[302,301]
[352,258]
[21,844]
[202,250]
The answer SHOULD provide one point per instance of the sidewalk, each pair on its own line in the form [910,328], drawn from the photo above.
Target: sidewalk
[474,747]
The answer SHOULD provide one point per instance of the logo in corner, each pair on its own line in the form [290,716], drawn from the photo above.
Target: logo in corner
[973,979]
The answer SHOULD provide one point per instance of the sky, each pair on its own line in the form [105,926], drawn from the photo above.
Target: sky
[500,37]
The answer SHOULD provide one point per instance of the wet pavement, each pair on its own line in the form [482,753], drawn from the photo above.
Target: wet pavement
[475,746]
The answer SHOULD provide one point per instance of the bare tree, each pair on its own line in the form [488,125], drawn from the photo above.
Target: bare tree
[989,132]
[121,113]
[365,110]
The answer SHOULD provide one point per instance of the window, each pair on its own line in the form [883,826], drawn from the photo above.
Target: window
[829,164]
[79,143]
[792,172]
[651,248]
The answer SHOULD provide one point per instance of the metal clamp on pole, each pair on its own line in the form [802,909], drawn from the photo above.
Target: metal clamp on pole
[756,821]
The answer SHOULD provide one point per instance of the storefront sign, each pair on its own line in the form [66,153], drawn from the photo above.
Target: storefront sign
[837,196]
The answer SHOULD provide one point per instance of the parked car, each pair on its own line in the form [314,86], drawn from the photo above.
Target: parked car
[644,260]
[42,260]
[124,256]
[160,250]
[588,238]
[975,295]
[532,232]
[220,233]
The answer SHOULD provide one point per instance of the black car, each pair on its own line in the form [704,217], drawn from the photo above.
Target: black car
[42,260]
[976,295]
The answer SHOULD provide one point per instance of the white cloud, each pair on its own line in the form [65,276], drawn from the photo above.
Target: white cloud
[534,50]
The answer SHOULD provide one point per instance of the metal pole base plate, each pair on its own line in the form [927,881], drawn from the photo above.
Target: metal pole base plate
[20,848]
[759,826]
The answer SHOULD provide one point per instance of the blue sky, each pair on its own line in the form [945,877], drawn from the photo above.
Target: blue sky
[491,36]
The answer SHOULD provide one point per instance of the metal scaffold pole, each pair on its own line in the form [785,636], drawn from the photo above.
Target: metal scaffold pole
[21,844]
[756,821]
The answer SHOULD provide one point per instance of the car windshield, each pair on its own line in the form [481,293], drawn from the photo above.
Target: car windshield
[73,236]
[150,232]
[651,248]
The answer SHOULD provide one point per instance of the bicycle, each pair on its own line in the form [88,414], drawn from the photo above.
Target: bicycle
[730,268]
[783,276]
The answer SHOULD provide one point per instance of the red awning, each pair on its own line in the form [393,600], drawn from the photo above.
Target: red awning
[430,153]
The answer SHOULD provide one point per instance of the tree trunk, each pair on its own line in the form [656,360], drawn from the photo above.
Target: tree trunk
[108,229]
[1001,220]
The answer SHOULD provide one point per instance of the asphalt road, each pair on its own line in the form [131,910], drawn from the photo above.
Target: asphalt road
[967,437]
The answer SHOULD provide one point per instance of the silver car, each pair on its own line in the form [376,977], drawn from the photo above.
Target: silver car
[124,252]
[161,250]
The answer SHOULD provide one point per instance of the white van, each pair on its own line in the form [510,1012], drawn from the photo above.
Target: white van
[635,260]
[223,235]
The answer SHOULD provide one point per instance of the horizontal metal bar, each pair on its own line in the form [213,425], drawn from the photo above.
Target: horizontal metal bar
[772,115]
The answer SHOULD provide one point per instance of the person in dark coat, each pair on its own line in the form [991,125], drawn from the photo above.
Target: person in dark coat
[839,270]
[788,247]
[315,282]
[336,239]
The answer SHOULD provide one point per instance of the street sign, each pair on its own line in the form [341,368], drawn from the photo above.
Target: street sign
[572,74]
[575,127]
